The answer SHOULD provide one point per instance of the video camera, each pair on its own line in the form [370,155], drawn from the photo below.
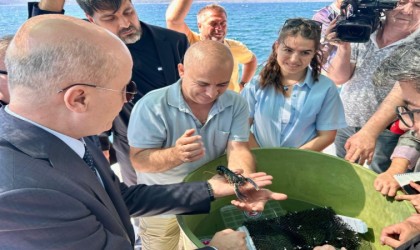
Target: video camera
[360,18]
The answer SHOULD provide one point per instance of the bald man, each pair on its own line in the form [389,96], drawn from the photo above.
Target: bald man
[176,129]
[57,190]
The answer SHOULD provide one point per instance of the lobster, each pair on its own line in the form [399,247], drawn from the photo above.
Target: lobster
[237,180]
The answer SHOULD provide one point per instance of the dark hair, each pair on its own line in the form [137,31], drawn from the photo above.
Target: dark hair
[308,29]
[91,6]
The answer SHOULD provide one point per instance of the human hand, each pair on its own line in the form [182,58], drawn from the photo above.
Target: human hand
[329,33]
[386,184]
[397,234]
[327,247]
[360,147]
[229,240]
[189,147]
[331,36]
[255,199]
[413,198]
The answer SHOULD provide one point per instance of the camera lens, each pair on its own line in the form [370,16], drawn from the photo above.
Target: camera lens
[353,32]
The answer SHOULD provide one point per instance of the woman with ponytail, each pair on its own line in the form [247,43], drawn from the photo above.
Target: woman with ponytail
[291,104]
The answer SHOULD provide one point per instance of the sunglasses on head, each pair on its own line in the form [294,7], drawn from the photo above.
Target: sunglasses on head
[296,22]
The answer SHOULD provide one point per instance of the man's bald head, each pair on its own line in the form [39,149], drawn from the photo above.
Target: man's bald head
[206,72]
[50,52]
[207,55]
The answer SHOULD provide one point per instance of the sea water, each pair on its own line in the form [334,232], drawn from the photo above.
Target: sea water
[254,24]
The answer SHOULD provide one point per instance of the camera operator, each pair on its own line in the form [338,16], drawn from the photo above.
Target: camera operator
[353,66]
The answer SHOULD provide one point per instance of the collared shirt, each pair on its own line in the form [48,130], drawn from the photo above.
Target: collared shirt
[361,98]
[241,55]
[313,106]
[75,144]
[162,116]
[78,146]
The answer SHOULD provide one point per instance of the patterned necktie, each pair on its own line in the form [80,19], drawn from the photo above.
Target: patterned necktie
[89,161]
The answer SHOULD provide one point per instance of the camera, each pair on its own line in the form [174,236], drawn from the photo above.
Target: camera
[360,18]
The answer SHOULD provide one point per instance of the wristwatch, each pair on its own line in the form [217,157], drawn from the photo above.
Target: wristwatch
[210,191]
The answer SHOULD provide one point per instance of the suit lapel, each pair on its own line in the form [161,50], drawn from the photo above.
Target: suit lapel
[39,144]
[164,51]
[113,191]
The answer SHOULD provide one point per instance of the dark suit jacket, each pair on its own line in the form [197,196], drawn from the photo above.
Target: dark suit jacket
[50,199]
[413,244]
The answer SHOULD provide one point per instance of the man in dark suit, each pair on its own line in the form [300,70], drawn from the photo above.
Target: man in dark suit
[156,52]
[68,80]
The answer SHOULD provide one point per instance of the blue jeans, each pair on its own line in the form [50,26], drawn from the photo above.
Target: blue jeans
[385,145]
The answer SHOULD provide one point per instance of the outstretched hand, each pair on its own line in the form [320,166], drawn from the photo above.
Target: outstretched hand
[386,184]
[255,200]
[360,147]
[413,198]
[397,234]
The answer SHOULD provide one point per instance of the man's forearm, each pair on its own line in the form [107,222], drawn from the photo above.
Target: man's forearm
[176,13]
[321,141]
[385,113]
[154,160]
[341,69]
[249,70]
[242,158]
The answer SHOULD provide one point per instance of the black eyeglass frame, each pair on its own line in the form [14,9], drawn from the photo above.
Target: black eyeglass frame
[3,72]
[300,21]
[404,110]
[130,89]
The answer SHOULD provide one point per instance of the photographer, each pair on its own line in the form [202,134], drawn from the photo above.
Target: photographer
[353,66]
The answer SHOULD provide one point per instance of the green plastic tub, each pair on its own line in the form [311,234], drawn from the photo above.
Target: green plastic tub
[309,179]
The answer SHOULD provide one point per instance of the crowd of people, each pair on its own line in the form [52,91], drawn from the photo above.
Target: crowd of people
[173,100]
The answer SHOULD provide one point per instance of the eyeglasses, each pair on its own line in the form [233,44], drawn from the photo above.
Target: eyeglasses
[3,72]
[130,90]
[296,22]
[406,115]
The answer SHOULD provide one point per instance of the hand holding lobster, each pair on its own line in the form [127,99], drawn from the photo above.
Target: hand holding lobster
[255,199]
